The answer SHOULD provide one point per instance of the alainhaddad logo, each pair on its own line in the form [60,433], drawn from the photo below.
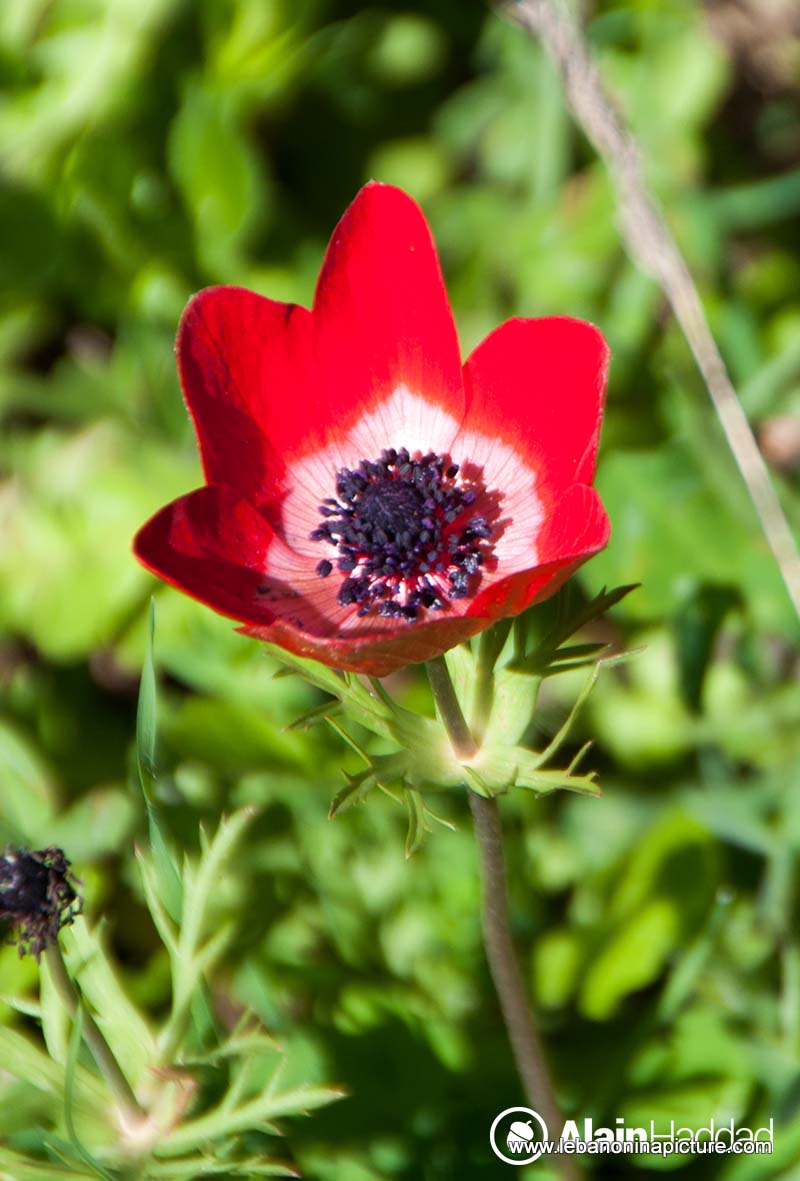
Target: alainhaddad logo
[520,1136]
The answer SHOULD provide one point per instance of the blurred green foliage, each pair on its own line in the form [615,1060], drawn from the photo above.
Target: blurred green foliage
[150,147]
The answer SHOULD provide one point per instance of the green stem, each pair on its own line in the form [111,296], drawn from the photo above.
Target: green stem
[463,744]
[101,1051]
[523,1034]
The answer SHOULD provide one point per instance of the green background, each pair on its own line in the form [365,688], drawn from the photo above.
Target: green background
[152,147]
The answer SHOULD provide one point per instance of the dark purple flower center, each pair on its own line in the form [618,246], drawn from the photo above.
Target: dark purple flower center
[24,883]
[405,533]
[37,896]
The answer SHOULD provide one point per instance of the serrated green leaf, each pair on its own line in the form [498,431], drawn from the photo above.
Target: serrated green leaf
[607,660]
[226,838]
[245,1045]
[250,1116]
[562,733]
[321,675]
[500,768]
[354,792]
[382,771]
[546,649]
[194,951]
[376,711]
[348,738]
[128,1034]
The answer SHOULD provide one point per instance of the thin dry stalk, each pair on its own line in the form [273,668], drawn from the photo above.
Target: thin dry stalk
[652,244]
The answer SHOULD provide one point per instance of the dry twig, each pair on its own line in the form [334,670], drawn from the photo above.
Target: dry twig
[652,244]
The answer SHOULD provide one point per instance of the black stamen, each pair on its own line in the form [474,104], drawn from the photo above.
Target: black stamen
[401,523]
[37,897]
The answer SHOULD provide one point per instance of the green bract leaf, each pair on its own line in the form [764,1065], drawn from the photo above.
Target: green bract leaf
[261,1110]
[501,768]
[539,643]
[380,772]
[194,948]
[428,759]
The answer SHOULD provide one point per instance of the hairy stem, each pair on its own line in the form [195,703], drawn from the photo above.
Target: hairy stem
[523,1034]
[101,1051]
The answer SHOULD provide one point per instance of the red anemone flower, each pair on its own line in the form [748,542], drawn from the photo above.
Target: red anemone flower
[368,501]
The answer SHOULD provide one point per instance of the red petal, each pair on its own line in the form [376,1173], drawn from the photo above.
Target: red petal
[212,545]
[265,383]
[246,370]
[381,314]
[577,529]
[539,385]
[215,547]
[376,655]
[218,549]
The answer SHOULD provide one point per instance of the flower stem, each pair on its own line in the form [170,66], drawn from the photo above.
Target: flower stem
[101,1051]
[523,1034]
[463,744]
[520,1023]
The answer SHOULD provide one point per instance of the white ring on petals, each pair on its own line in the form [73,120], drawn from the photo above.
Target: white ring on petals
[406,419]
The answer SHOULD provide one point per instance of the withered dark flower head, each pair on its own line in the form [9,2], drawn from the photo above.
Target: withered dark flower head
[37,897]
